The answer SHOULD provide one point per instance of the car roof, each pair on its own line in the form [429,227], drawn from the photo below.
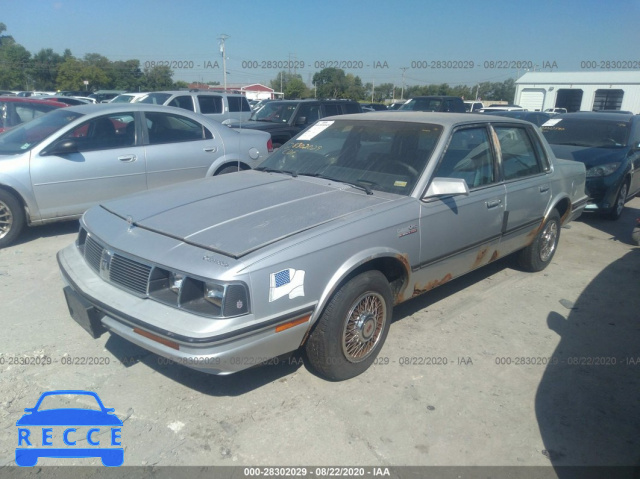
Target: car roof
[106,108]
[37,101]
[597,115]
[194,92]
[439,118]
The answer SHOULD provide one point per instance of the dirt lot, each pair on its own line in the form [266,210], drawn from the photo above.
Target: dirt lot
[500,367]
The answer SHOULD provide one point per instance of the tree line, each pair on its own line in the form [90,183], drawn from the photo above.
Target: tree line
[50,71]
[335,83]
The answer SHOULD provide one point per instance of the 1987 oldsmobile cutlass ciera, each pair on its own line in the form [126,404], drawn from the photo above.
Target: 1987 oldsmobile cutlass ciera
[315,247]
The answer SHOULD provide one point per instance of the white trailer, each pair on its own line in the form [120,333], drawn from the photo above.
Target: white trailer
[579,91]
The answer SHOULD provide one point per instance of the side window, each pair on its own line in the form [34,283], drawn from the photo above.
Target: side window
[171,128]
[468,156]
[210,104]
[518,153]
[185,102]
[105,132]
[310,113]
[330,109]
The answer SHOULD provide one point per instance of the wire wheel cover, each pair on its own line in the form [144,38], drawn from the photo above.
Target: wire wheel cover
[364,324]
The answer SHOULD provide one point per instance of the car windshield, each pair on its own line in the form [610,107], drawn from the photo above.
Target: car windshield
[589,133]
[274,112]
[65,401]
[372,155]
[28,135]
[154,98]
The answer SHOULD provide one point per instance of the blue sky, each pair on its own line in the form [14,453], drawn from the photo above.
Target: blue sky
[413,35]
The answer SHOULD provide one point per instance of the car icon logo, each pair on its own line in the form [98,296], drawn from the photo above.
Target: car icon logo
[56,427]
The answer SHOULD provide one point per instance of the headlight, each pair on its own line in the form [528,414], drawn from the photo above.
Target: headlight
[207,298]
[602,170]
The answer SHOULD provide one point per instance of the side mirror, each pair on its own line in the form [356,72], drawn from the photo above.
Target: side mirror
[447,187]
[302,120]
[61,148]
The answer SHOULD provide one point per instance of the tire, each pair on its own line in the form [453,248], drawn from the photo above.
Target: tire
[352,328]
[229,169]
[621,199]
[12,218]
[539,253]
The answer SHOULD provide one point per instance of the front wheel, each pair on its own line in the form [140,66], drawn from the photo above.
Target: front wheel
[352,328]
[621,199]
[12,218]
[539,253]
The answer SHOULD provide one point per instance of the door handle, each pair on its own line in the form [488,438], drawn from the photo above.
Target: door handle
[127,158]
[211,149]
[493,203]
[544,188]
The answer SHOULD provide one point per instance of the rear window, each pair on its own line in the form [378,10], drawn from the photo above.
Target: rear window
[238,103]
[354,108]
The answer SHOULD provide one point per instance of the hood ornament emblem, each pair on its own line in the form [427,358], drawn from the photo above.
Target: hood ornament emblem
[130,222]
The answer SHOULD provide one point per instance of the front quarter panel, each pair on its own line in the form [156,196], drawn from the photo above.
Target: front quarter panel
[324,260]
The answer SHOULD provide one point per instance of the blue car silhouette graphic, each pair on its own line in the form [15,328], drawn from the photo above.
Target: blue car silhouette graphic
[96,423]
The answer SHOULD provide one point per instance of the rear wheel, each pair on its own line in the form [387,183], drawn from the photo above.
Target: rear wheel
[12,218]
[621,199]
[539,253]
[352,328]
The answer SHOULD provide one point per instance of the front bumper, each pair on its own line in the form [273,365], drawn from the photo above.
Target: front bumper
[166,331]
[603,192]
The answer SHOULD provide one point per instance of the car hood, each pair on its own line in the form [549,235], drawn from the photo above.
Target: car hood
[242,212]
[588,155]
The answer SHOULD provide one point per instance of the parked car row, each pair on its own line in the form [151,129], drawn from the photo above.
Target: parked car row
[314,246]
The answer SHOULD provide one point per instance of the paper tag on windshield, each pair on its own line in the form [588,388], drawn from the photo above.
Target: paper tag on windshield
[552,122]
[315,130]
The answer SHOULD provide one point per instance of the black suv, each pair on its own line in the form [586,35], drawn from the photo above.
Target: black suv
[284,119]
[435,103]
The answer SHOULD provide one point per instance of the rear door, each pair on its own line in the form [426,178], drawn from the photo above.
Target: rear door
[178,148]
[526,171]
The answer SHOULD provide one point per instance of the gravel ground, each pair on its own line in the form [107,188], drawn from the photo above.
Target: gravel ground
[498,368]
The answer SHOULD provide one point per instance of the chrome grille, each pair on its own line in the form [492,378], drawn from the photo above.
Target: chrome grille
[129,274]
[119,270]
[93,253]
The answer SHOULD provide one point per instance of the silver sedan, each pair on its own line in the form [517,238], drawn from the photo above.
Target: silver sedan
[57,166]
[316,246]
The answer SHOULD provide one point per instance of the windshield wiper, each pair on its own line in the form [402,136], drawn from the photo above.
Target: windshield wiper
[355,184]
[273,170]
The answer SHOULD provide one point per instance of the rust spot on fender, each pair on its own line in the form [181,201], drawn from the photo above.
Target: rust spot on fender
[417,290]
[494,256]
[399,293]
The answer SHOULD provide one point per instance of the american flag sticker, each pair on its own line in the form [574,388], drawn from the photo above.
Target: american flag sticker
[286,282]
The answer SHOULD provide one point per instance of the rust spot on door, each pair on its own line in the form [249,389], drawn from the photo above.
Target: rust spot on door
[417,290]
[480,258]
[494,256]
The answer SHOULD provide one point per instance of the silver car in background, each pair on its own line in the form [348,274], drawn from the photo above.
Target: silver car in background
[315,247]
[55,167]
